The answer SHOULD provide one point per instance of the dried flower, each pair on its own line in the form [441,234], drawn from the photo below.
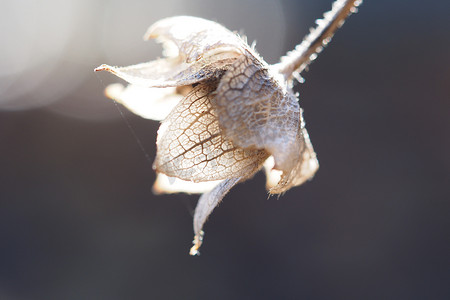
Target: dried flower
[225,112]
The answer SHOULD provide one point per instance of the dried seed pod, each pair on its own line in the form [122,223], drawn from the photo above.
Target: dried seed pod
[226,113]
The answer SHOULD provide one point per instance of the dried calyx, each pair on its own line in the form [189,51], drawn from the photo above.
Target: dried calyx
[225,112]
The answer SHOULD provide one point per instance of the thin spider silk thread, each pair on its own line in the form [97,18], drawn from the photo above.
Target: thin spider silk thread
[133,132]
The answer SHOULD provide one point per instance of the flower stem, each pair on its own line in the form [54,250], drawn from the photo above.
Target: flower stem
[297,60]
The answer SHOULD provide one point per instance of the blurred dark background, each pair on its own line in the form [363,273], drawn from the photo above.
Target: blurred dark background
[78,219]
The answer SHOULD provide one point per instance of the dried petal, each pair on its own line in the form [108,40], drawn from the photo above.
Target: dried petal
[171,72]
[257,112]
[197,49]
[302,169]
[190,144]
[195,38]
[205,206]
[169,185]
[149,103]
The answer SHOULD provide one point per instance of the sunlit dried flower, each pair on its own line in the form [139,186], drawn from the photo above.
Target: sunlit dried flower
[225,112]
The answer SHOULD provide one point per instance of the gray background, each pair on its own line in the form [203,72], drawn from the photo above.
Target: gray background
[77,216]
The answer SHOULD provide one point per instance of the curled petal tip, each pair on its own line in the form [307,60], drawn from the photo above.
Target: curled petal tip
[158,187]
[108,68]
[149,35]
[105,67]
[114,90]
[157,190]
[102,68]
[198,239]
[151,32]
